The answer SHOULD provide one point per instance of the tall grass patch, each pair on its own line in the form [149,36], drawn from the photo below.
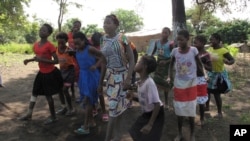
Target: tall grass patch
[16,48]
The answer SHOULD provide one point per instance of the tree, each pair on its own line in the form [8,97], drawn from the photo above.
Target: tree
[234,31]
[201,19]
[63,5]
[179,16]
[68,25]
[129,20]
[91,28]
[12,14]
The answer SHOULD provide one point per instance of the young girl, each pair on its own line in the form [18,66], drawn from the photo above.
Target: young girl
[219,56]
[202,96]
[148,126]
[66,63]
[116,49]
[163,48]
[88,59]
[187,62]
[95,42]
[48,80]
[76,28]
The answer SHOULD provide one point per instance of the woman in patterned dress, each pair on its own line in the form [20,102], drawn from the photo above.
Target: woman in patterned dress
[120,65]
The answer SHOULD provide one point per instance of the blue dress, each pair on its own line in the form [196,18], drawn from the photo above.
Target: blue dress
[88,80]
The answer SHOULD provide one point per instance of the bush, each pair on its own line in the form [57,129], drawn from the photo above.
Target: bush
[16,48]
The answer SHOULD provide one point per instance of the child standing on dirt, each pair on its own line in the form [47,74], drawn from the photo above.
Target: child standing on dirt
[120,66]
[76,28]
[89,82]
[48,81]
[95,42]
[187,62]
[202,96]
[149,125]
[163,48]
[66,63]
[219,57]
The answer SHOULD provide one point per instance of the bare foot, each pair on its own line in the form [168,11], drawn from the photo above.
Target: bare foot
[219,116]
[178,138]
[202,123]
[192,138]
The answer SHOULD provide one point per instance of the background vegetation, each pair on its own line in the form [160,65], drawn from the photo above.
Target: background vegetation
[17,32]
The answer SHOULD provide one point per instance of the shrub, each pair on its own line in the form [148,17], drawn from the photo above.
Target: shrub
[16,48]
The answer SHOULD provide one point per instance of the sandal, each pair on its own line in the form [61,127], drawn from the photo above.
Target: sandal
[50,121]
[25,117]
[70,112]
[94,113]
[61,111]
[105,117]
[82,131]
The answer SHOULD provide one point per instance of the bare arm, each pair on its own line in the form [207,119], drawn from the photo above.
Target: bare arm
[199,64]
[147,128]
[170,69]
[130,56]
[45,60]
[101,61]
[229,60]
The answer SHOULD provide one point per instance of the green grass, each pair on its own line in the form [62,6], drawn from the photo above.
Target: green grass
[9,59]
[16,48]
[245,118]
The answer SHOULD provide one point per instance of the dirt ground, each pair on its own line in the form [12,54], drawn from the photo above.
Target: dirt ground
[14,99]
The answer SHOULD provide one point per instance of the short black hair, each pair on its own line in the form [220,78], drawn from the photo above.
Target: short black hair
[216,36]
[184,33]
[81,36]
[201,38]
[95,38]
[151,63]
[62,35]
[114,19]
[77,21]
[49,27]
[167,29]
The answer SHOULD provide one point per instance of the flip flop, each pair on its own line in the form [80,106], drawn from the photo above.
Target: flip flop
[82,131]
[50,121]
[105,117]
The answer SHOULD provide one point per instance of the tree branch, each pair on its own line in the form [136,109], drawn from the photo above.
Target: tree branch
[203,2]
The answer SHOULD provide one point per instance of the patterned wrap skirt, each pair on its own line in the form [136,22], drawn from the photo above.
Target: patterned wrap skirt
[161,74]
[48,83]
[117,100]
[214,77]
[202,95]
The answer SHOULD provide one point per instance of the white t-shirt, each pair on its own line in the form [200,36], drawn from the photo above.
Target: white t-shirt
[148,95]
[185,65]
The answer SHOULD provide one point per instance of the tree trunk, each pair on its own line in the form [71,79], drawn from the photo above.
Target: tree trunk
[62,4]
[179,17]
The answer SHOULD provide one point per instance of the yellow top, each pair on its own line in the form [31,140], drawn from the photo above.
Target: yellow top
[217,58]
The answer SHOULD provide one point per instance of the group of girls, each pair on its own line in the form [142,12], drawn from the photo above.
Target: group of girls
[114,61]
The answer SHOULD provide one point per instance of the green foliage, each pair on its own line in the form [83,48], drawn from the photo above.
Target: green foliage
[63,9]
[90,29]
[16,48]
[68,25]
[235,31]
[202,19]
[129,20]
[12,19]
